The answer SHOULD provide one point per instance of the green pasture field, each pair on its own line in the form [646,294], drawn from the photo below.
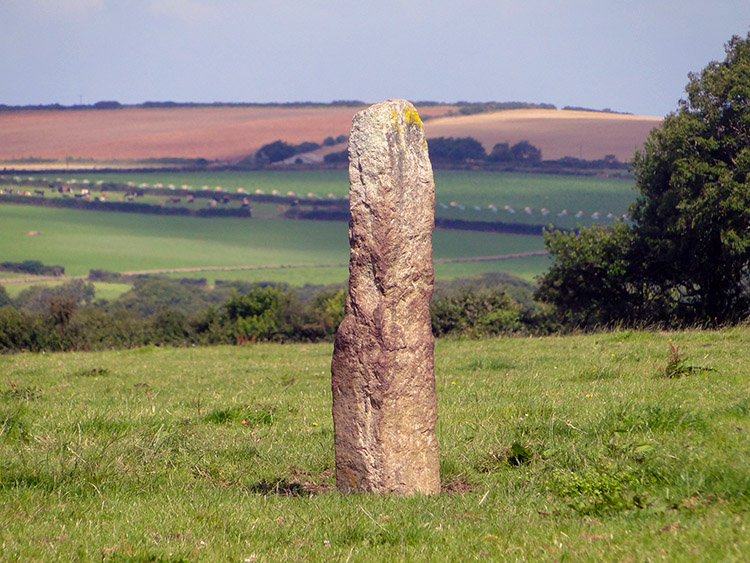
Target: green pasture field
[310,252]
[84,240]
[468,189]
[526,268]
[556,193]
[575,448]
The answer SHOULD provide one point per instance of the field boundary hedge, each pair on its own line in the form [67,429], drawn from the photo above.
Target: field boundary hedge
[120,206]
[440,222]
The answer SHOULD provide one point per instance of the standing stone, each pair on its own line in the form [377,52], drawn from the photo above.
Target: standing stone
[383,378]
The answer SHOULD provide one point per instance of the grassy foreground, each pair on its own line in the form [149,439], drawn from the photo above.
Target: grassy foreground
[575,448]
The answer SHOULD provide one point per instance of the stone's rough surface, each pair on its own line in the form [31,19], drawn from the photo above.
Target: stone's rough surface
[383,380]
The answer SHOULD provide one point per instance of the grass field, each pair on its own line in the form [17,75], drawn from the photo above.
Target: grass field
[296,252]
[84,240]
[467,189]
[575,448]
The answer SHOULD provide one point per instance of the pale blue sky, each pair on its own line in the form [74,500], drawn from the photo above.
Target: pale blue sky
[631,56]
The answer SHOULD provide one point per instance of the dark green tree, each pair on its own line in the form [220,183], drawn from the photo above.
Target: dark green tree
[254,315]
[686,259]
[275,152]
[693,213]
[4,297]
[37,298]
[591,282]
[500,153]
[459,149]
[524,151]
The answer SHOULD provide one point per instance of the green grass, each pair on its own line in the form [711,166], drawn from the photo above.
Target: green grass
[84,240]
[572,448]
[468,188]
[316,251]
[537,191]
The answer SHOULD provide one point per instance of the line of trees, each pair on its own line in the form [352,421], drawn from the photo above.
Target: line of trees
[32,267]
[281,150]
[166,312]
[463,151]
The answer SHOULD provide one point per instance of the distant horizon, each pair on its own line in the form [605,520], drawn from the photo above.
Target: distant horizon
[336,102]
[633,57]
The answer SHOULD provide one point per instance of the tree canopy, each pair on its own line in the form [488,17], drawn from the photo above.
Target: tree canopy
[686,257]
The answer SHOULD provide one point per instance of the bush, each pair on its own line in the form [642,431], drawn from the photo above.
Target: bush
[15,330]
[339,157]
[275,152]
[461,149]
[522,152]
[33,267]
[255,315]
[475,313]
[4,297]
[151,295]
[38,298]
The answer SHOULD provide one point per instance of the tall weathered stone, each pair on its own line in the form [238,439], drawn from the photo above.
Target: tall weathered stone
[383,380]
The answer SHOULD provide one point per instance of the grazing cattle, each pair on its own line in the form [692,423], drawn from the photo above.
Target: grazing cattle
[39,192]
[190,198]
[212,204]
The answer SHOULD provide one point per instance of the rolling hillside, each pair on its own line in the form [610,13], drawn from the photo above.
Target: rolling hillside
[558,133]
[230,133]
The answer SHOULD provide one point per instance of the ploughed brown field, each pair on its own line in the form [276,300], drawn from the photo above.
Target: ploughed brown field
[231,133]
[558,133]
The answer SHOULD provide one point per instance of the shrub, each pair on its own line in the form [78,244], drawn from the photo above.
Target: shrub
[475,313]
[4,297]
[455,150]
[275,152]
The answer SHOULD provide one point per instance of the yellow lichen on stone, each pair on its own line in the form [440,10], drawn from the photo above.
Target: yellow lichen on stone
[411,115]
